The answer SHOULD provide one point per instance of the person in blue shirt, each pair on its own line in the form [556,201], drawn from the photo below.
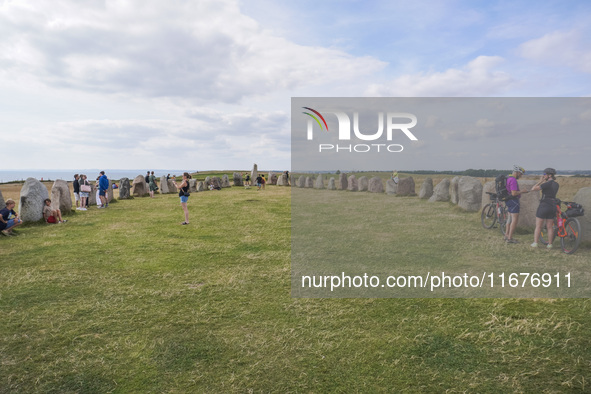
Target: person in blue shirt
[103,187]
[9,218]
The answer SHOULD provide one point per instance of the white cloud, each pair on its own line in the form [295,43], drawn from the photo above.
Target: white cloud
[477,78]
[560,48]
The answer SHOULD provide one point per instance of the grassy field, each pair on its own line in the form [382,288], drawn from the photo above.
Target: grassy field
[127,300]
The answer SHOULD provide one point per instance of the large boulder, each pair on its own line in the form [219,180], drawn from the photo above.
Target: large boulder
[309,182]
[391,186]
[487,187]
[238,181]
[92,195]
[375,185]
[469,193]
[201,186]
[441,191]
[60,196]
[171,186]
[208,180]
[319,182]
[32,200]
[2,203]
[164,185]
[140,187]
[362,184]
[124,188]
[426,189]
[528,205]
[342,184]
[283,180]
[225,181]
[583,197]
[301,181]
[331,184]
[272,178]
[406,187]
[453,190]
[192,185]
[216,182]
[352,183]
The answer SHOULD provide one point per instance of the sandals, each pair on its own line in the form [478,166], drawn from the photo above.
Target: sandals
[183,223]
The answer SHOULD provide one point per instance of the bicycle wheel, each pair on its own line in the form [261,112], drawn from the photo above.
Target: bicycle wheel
[488,217]
[571,242]
[504,220]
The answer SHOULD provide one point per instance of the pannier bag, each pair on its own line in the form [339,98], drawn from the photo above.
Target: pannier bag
[574,210]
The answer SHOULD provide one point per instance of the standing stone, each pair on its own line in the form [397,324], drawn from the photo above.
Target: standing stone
[301,181]
[110,192]
[216,182]
[238,179]
[92,195]
[279,180]
[426,189]
[528,205]
[309,182]
[140,187]
[254,173]
[441,191]
[207,180]
[453,190]
[375,185]
[469,193]
[406,187]
[342,184]
[124,188]
[352,183]
[331,184]
[192,185]
[362,184]
[225,181]
[164,185]
[60,196]
[201,186]
[2,203]
[583,197]
[171,186]
[319,183]
[32,197]
[272,178]
[490,188]
[283,180]
[391,186]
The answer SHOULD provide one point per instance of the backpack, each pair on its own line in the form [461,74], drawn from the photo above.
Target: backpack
[501,188]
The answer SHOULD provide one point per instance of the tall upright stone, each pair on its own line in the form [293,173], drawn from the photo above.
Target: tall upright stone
[238,181]
[279,180]
[528,204]
[362,184]
[391,186]
[331,184]
[140,187]
[426,190]
[2,203]
[32,200]
[352,183]
[192,185]
[406,187]
[201,186]
[164,185]
[375,185]
[225,181]
[319,183]
[441,191]
[309,182]
[254,173]
[469,193]
[283,180]
[342,183]
[60,196]
[454,196]
[272,178]
[124,189]
[171,186]
[92,195]
[301,181]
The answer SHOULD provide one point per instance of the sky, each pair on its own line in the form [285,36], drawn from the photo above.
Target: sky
[208,84]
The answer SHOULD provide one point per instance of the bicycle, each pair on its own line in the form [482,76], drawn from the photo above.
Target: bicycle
[494,212]
[566,226]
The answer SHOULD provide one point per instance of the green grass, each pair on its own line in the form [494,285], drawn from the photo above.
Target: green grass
[127,300]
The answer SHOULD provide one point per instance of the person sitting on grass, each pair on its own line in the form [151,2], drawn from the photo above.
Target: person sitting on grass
[9,218]
[52,215]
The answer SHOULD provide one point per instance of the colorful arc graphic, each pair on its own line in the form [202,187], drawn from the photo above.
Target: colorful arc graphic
[315,118]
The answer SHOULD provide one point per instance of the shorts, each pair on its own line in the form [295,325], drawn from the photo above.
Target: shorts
[184,199]
[513,205]
[546,211]
[10,223]
[77,196]
[83,194]
[51,219]
[102,192]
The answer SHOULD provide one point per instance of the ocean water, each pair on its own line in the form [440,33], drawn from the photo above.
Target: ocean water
[68,175]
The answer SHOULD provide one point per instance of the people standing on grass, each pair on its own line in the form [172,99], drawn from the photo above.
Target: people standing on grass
[247,180]
[9,219]
[259,182]
[76,186]
[513,203]
[103,189]
[152,184]
[547,209]
[184,195]
[263,181]
[148,179]
[84,192]
[52,215]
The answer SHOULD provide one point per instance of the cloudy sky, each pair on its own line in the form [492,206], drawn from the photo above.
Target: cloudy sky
[208,84]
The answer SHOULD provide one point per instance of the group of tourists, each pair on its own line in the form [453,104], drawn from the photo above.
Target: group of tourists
[151,181]
[546,211]
[82,190]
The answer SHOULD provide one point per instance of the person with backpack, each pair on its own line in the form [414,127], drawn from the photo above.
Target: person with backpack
[513,202]
[547,209]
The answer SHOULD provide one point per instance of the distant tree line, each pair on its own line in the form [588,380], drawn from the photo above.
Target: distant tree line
[469,172]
